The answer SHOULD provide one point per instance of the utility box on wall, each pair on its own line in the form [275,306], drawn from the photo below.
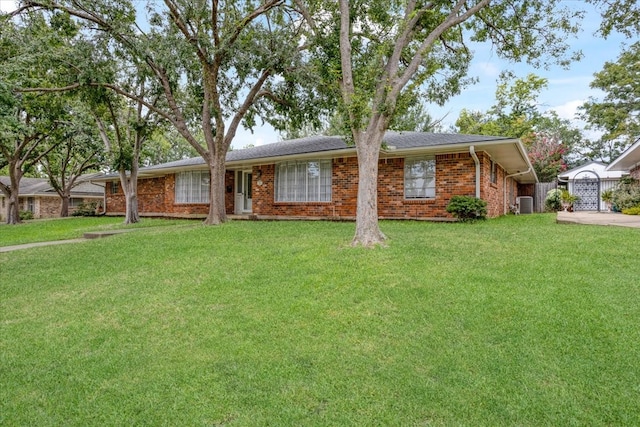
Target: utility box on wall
[526,204]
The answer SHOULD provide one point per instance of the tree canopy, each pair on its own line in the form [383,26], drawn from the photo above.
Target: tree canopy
[617,114]
[517,114]
[31,124]
[622,16]
[217,65]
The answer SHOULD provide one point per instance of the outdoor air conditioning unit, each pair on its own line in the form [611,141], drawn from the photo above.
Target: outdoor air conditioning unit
[526,204]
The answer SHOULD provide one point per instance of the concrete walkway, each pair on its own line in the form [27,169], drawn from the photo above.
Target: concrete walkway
[598,218]
[87,236]
[38,244]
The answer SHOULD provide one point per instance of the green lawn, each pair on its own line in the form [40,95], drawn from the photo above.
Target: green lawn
[512,321]
[69,228]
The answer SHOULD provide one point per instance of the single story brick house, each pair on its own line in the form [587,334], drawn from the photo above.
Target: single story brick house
[316,177]
[37,196]
[628,162]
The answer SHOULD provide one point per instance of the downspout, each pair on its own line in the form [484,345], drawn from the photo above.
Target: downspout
[472,151]
[505,186]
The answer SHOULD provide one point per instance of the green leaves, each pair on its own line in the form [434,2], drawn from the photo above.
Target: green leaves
[531,31]
[618,113]
[548,138]
[622,16]
[515,113]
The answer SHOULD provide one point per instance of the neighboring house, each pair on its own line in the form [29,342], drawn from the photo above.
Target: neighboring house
[629,161]
[588,182]
[37,196]
[316,177]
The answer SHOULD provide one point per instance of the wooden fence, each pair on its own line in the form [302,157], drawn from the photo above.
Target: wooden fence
[540,194]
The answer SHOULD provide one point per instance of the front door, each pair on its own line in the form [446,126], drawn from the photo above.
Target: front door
[243,192]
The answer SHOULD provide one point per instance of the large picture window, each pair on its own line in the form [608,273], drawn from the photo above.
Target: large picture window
[420,178]
[192,187]
[308,181]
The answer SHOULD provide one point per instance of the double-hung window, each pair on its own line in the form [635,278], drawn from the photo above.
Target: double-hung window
[494,172]
[192,187]
[303,181]
[420,178]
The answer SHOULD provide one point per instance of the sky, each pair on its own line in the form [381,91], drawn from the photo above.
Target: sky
[566,91]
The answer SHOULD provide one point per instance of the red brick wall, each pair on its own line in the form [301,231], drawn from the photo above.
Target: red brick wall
[43,206]
[492,193]
[50,207]
[47,206]
[115,201]
[156,196]
[151,195]
[455,175]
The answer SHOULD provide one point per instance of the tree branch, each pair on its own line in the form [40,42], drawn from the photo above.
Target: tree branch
[302,10]
[248,102]
[103,133]
[265,7]
[272,96]
[49,89]
[179,22]
[454,18]
[348,86]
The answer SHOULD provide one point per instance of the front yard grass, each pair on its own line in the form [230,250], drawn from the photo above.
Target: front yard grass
[69,228]
[512,321]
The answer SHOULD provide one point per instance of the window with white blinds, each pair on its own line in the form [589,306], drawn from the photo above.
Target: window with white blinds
[303,181]
[419,178]
[192,187]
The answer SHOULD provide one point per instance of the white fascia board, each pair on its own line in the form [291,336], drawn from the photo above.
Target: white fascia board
[627,160]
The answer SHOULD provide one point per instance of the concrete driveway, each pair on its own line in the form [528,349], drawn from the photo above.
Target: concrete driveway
[598,218]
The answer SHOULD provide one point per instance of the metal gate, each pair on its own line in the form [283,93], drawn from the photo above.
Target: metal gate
[588,189]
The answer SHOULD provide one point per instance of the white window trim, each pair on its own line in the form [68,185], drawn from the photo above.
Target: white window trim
[428,189]
[300,193]
[193,192]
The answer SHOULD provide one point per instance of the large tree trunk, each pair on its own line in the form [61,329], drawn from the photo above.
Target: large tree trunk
[131,211]
[64,208]
[13,210]
[130,190]
[217,209]
[368,232]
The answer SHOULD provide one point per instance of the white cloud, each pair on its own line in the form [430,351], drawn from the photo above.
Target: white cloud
[7,5]
[569,109]
[262,135]
[488,69]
